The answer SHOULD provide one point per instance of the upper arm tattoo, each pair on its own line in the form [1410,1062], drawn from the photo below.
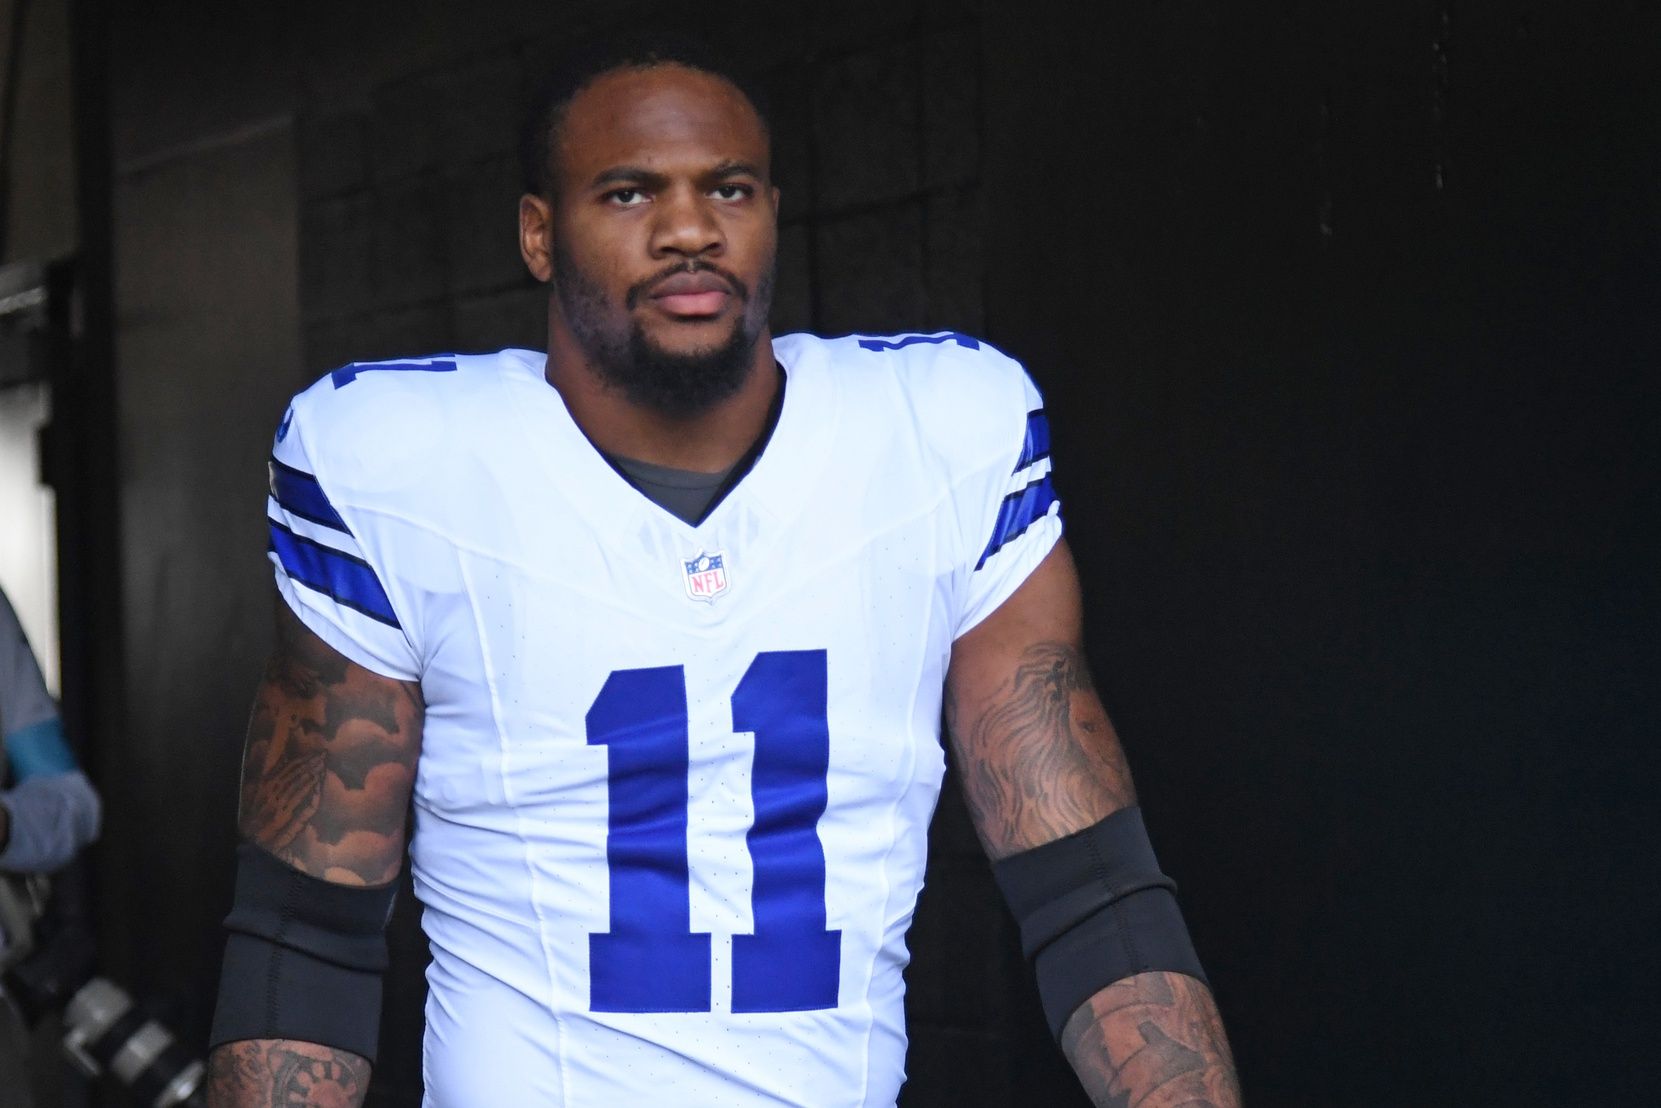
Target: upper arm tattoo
[330,761]
[1038,758]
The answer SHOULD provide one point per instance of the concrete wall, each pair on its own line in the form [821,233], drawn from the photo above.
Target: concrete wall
[1352,309]
[208,347]
[40,222]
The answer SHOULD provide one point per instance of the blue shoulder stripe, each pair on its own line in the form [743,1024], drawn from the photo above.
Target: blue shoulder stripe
[1019,511]
[900,342]
[346,374]
[300,495]
[1037,445]
[342,578]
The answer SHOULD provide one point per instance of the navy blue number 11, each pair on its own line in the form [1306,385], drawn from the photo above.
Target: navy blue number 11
[651,960]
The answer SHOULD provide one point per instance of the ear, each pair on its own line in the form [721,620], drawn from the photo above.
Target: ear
[536,231]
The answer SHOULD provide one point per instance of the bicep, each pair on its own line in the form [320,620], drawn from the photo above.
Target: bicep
[330,761]
[1036,753]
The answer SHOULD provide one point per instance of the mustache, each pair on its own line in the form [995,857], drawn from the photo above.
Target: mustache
[640,289]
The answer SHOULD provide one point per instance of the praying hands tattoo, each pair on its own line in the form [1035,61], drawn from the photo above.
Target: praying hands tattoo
[326,778]
[330,762]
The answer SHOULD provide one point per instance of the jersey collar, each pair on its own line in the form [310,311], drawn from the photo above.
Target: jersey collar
[790,457]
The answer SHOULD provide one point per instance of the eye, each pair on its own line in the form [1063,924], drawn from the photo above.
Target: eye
[626,198]
[732,192]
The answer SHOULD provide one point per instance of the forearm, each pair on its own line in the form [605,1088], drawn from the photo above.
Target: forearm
[49,818]
[1155,1041]
[268,1073]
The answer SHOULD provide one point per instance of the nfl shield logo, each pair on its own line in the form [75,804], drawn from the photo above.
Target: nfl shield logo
[705,575]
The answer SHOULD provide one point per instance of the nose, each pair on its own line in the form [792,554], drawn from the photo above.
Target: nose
[686,225]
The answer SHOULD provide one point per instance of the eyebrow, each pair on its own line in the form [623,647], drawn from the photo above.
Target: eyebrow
[619,174]
[634,174]
[736,169]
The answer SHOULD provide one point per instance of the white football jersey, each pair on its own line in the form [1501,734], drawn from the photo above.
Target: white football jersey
[672,802]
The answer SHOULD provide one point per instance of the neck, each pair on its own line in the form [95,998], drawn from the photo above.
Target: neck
[706,442]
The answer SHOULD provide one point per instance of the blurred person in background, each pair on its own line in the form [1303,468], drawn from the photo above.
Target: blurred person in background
[48,812]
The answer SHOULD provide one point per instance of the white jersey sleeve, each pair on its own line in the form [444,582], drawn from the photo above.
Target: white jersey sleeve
[1017,515]
[324,570]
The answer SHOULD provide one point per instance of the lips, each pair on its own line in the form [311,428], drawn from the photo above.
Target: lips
[692,294]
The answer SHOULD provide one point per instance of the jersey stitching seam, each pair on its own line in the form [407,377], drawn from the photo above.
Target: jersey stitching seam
[550,998]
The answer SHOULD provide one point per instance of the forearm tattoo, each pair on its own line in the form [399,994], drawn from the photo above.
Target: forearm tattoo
[1039,758]
[1152,1041]
[330,761]
[280,1073]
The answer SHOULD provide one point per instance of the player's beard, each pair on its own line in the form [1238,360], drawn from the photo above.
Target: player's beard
[676,384]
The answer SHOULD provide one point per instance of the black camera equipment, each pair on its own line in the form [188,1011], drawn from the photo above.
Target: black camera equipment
[47,964]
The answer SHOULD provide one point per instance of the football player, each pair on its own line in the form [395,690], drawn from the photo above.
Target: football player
[656,627]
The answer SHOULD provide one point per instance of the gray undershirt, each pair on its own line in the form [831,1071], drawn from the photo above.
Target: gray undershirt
[687,494]
[683,493]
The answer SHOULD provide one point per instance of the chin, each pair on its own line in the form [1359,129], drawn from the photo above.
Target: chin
[698,338]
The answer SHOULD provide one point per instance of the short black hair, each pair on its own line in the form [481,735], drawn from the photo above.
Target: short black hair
[581,65]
